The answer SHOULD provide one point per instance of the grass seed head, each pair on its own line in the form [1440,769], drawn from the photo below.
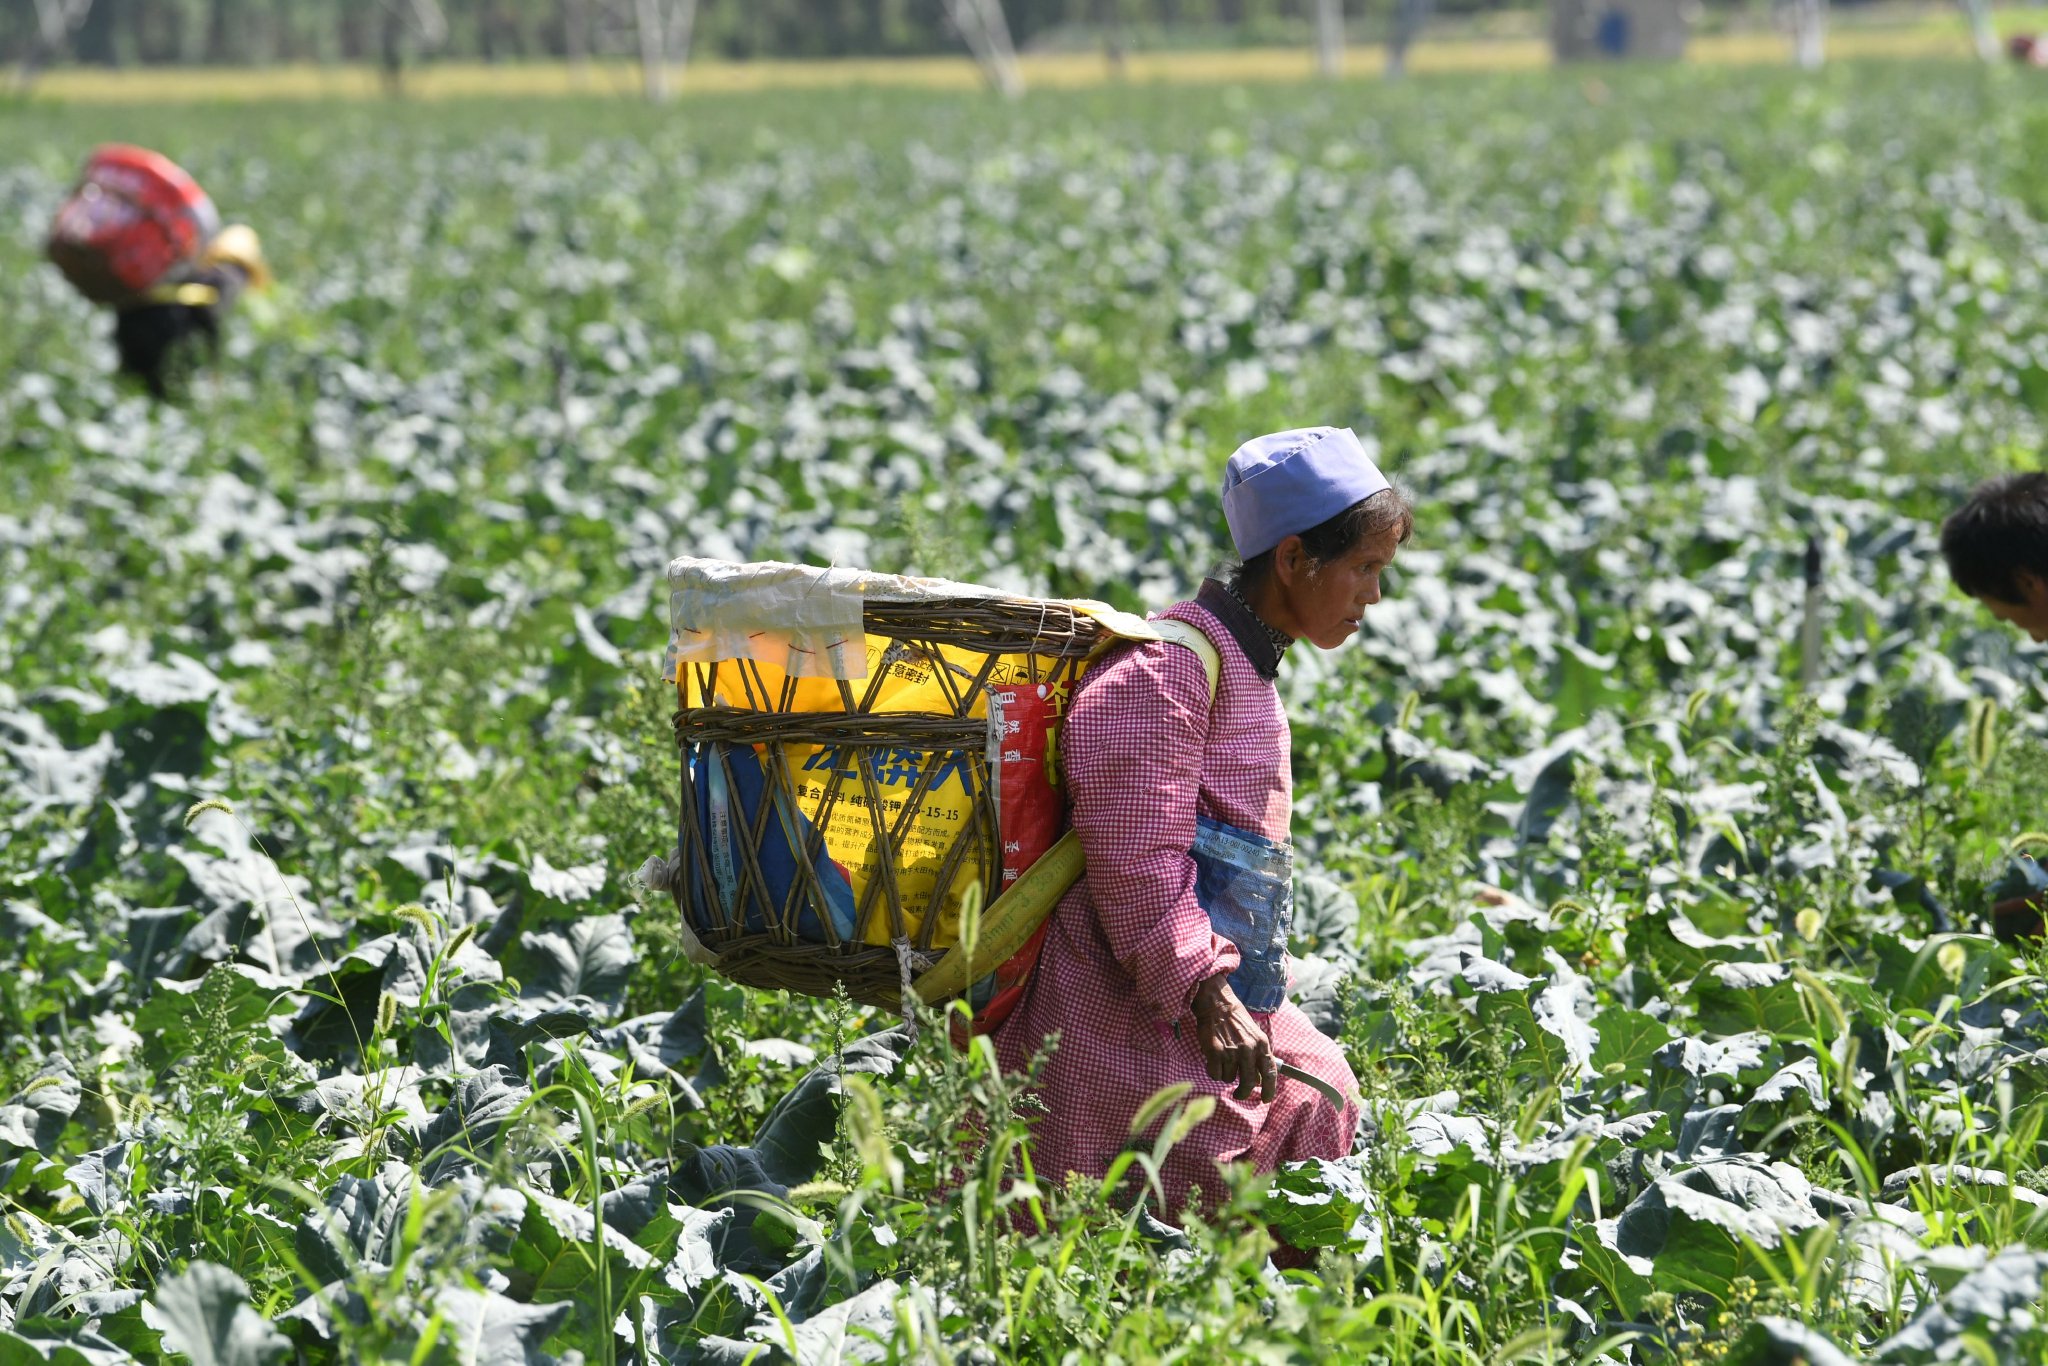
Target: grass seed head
[412,913]
[198,809]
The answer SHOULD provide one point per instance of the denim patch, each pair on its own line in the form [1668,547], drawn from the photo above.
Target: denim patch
[1246,884]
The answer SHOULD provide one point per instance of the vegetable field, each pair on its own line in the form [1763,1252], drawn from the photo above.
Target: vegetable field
[334,1022]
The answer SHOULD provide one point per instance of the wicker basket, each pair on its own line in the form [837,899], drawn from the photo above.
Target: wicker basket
[731,704]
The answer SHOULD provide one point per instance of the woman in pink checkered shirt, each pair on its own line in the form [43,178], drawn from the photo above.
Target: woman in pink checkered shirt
[1167,963]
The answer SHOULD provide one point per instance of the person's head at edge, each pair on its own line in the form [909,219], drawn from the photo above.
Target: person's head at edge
[1315,524]
[1996,545]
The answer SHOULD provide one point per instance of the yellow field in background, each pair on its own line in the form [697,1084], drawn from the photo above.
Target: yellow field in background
[1931,38]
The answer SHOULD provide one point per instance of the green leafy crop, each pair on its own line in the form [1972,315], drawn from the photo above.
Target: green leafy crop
[335,1025]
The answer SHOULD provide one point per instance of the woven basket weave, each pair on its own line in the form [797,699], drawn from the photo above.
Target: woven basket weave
[1053,637]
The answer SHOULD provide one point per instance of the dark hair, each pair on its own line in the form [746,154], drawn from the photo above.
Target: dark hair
[1374,515]
[2000,533]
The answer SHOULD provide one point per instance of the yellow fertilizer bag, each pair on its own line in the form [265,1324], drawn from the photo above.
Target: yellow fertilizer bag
[875,810]
[862,755]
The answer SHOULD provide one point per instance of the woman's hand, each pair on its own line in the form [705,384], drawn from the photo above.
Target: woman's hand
[1234,1047]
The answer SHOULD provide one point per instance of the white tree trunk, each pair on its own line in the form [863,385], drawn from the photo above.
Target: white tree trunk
[1981,30]
[1409,18]
[431,22]
[576,35]
[987,35]
[682,28]
[1330,38]
[648,20]
[1809,33]
[1115,41]
[426,22]
[56,21]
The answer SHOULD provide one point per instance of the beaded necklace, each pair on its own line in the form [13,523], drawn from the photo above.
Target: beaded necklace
[1281,640]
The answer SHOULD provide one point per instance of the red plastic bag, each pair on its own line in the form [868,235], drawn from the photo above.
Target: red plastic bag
[1030,812]
[134,219]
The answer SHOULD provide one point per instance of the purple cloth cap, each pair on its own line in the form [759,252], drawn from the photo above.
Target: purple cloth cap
[1284,484]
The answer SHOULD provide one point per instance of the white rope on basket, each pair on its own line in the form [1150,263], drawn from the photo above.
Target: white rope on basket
[908,1000]
[660,874]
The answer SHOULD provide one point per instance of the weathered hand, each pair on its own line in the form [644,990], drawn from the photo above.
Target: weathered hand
[1232,1044]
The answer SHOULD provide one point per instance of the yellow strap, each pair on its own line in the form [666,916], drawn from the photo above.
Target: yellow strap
[1188,634]
[192,294]
[1009,921]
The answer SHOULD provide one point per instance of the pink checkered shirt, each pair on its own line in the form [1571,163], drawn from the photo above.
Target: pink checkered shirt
[1144,753]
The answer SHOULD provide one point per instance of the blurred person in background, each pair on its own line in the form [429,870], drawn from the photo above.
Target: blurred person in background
[1167,964]
[138,236]
[1996,545]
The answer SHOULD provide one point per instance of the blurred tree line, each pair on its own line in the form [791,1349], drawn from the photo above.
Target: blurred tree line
[237,32]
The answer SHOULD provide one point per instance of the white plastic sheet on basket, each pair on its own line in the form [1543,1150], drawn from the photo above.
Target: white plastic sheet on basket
[804,620]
